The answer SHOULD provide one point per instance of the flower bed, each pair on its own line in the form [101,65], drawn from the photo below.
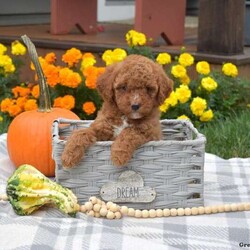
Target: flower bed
[72,78]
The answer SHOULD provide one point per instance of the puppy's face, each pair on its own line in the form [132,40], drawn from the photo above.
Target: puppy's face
[135,90]
[135,86]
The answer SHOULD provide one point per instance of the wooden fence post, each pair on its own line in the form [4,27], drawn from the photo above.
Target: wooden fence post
[221,26]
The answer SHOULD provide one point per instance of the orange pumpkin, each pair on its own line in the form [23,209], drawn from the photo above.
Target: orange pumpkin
[29,138]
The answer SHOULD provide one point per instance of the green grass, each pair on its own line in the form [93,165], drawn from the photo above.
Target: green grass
[229,138]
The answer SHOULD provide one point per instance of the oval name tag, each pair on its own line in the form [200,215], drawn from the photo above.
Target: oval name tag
[128,188]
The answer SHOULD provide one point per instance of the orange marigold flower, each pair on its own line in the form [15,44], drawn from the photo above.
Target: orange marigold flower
[35,91]
[21,102]
[88,55]
[5,104]
[52,74]
[69,78]
[101,70]
[57,102]
[50,57]
[89,108]
[31,104]
[67,102]
[90,81]
[14,110]
[20,91]
[90,71]
[72,57]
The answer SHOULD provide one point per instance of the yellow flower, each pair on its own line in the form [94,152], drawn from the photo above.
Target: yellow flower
[183,117]
[198,106]
[9,68]
[1,118]
[183,93]
[207,116]
[203,68]
[185,80]
[170,101]
[89,108]
[135,38]
[107,57]
[178,71]
[17,48]
[230,69]
[3,49]
[209,83]
[87,61]
[186,59]
[163,58]
[119,55]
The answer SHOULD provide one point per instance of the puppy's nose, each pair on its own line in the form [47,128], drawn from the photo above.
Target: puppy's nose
[135,107]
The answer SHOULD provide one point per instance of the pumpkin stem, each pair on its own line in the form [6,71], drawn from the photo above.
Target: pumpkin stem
[44,97]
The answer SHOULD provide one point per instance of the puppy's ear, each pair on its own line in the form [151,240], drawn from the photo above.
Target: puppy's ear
[165,85]
[104,84]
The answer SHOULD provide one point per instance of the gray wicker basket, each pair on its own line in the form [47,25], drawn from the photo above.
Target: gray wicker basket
[161,174]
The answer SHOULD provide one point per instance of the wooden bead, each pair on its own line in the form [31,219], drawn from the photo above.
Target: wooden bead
[109,204]
[187,211]
[152,213]
[194,210]
[113,208]
[180,211]
[214,209]
[88,205]
[97,207]
[124,210]
[221,208]
[159,213]
[4,197]
[100,202]
[91,213]
[83,208]
[145,213]
[93,200]
[234,207]
[110,215]
[173,211]
[166,212]
[227,208]
[118,215]
[131,212]
[97,214]
[240,207]
[247,206]
[103,211]
[201,210]
[138,213]
[208,210]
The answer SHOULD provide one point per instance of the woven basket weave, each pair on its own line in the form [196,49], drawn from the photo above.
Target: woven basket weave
[173,167]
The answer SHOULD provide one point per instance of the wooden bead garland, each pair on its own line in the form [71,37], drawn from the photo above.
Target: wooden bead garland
[98,208]
[111,210]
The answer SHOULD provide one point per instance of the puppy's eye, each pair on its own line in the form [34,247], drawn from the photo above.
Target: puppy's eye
[150,90]
[123,88]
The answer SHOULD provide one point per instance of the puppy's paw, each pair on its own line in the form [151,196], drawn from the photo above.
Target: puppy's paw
[120,157]
[71,159]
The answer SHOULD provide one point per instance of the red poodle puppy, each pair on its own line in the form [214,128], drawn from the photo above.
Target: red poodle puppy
[132,91]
